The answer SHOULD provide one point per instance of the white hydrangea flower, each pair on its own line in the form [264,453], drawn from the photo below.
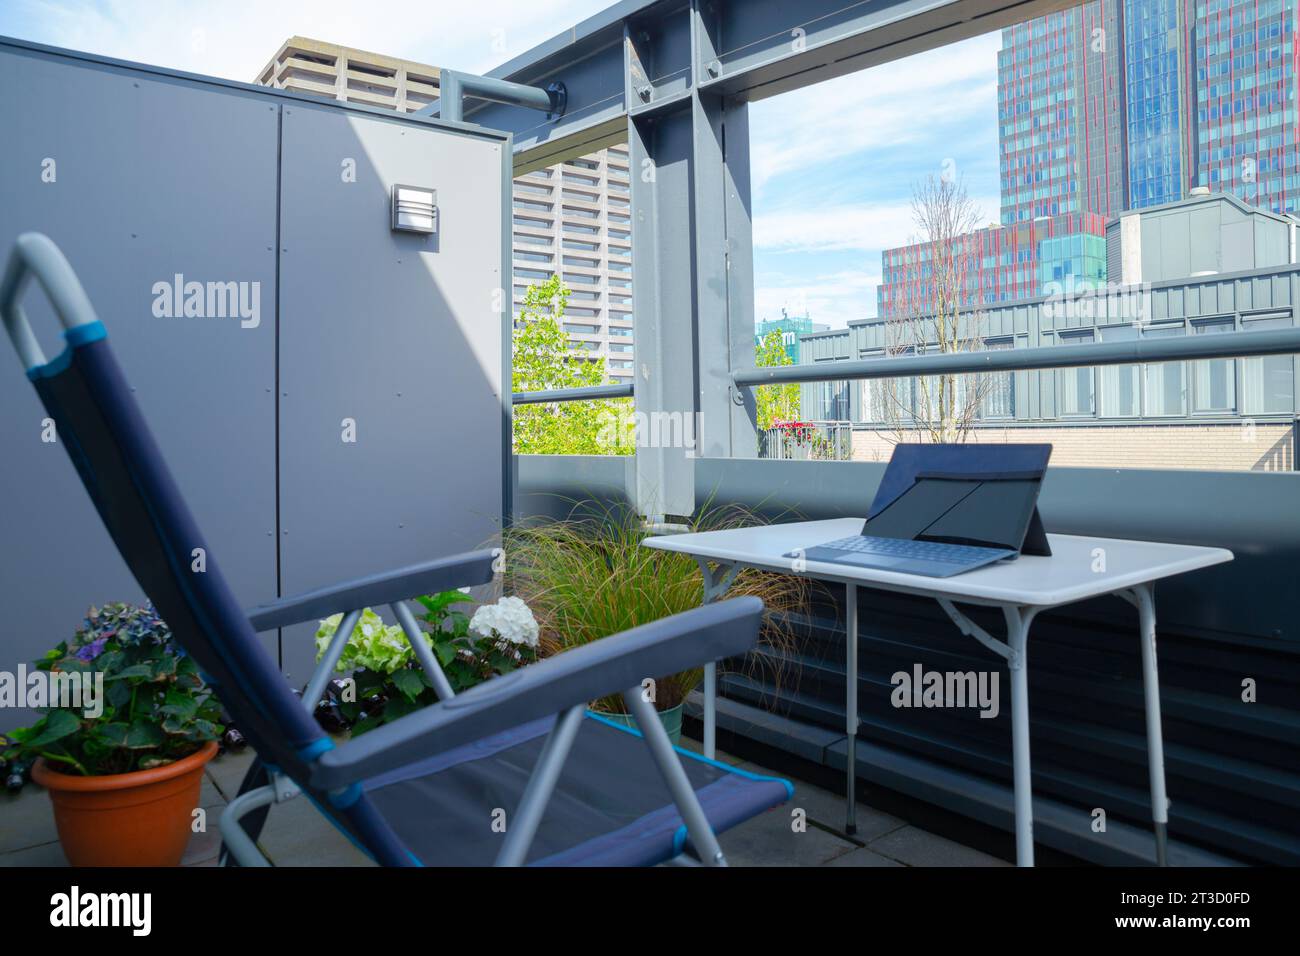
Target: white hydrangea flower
[509,620]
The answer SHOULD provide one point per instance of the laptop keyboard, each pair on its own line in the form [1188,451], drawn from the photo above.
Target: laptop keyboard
[905,548]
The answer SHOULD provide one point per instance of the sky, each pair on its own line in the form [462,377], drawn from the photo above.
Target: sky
[833,164]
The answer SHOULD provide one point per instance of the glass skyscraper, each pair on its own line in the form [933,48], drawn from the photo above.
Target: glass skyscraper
[1124,104]
[1245,59]
[1060,109]
[1212,100]
[1155,57]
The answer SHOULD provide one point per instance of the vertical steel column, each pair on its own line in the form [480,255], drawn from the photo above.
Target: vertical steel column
[692,287]
[724,281]
[725,258]
[663,303]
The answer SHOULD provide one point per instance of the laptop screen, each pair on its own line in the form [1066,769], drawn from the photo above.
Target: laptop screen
[912,461]
[995,514]
[992,512]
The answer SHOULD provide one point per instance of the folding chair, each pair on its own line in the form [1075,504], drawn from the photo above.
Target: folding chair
[512,771]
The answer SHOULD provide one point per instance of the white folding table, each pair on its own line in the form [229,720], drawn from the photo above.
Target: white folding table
[1079,568]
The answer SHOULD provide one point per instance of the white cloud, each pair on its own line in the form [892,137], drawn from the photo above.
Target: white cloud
[234,39]
[831,226]
[834,298]
[830,166]
[898,104]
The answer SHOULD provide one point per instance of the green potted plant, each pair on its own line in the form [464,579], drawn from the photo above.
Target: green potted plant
[387,681]
[124,773]
[588,576]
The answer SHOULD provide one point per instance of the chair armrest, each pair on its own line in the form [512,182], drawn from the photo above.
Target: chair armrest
[610,665]
[401,584]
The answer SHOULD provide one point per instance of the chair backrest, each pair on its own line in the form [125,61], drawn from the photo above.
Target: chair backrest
[99,423]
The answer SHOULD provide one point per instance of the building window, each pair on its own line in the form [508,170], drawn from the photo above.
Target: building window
[1267,383]
[835,401]
[1214,381]
[999,399]
[1166,391]
[1120,385]
[874,401]
[1076,385]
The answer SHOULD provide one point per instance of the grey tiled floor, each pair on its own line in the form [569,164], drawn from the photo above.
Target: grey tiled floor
[807,831]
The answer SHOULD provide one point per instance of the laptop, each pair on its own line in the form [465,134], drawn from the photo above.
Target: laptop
[943,510]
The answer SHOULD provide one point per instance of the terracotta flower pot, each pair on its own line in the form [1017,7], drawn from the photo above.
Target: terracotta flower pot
[126,819]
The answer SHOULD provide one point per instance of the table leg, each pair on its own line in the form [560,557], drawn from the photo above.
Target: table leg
[1146,604]
[1017,639]
[851,707]
[716,582]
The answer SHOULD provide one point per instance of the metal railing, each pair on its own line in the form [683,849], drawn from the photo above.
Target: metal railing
[584,394]
[1135,352]
[808,441]
[1138,351]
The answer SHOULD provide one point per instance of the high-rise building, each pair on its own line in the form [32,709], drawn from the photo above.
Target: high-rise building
[1212,100]
[324,69]
[1156,53]
[1246,67]
[573,219]
[1000,263]
[1123,104]
[1060,120]
[1061,166]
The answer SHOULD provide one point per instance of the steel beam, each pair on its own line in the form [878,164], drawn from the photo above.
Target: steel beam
[756,50]
[740,49]
[661,154]
[673,77]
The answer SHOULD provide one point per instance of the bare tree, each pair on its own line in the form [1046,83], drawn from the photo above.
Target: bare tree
[938,312]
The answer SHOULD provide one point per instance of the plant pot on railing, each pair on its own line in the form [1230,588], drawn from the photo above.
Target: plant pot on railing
[143,818]
[670,718]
